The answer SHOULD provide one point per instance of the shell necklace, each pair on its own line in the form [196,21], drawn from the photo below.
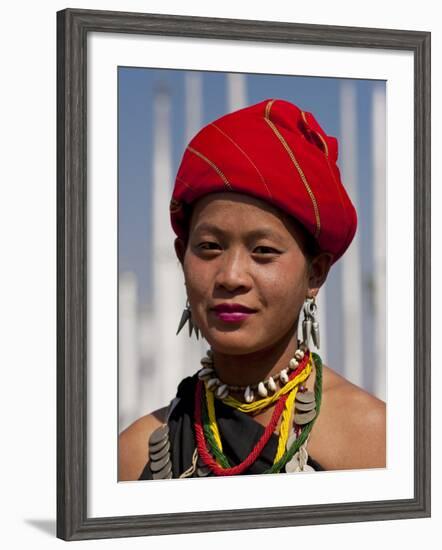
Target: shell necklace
[251,391]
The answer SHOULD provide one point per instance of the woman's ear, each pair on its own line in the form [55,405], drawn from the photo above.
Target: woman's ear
[319,268]
[180,249]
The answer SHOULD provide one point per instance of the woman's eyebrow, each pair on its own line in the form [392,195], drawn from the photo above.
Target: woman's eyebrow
[259,232]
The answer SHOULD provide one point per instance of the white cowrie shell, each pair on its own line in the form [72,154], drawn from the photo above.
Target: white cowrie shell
[262,390]
[205,373]
[293,364]
[222,391]
[212,383]
[283,376]
[249,395]
[271,384]
[206,361]
[299,354]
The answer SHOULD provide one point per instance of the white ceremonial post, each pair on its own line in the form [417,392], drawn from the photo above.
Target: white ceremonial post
[167,298]
[193,86]
[193,349]
[351,265]
[380,237]
[128,358]
[236,91]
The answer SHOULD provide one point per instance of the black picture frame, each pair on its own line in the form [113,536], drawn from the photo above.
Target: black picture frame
[73,26]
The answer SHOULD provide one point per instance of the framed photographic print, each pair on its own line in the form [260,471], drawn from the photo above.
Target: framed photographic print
[134,90]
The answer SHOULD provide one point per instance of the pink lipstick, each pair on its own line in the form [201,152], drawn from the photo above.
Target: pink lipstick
[232,313]
[232,316]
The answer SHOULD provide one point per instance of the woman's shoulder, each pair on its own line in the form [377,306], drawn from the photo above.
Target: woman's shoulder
[350,431]
[133,448]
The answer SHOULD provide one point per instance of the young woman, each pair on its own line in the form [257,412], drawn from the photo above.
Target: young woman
[260,215]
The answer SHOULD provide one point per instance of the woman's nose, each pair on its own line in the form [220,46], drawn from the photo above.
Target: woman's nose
[233,272]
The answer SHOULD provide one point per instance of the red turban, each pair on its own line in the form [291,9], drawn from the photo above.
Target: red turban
[277,153]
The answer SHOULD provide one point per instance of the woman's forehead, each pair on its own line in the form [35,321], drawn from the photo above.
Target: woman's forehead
[240,212]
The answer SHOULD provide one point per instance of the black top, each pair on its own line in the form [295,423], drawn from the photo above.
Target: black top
[239,433]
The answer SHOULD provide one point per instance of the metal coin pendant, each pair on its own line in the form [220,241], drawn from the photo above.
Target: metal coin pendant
[304,418]
[305,397]
[305,407]
[157,465]
[164,473]
[159,454]
[159,434]
[158,446]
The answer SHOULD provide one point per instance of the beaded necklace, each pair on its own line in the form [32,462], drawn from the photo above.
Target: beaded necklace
[207,434]
[291,388]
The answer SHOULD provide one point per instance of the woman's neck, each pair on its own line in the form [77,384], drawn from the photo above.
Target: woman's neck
[251,368]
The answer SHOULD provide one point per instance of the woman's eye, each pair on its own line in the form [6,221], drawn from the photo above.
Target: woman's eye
[207,245]
[267,249]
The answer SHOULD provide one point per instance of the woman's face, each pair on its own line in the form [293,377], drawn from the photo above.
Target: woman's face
[242,250]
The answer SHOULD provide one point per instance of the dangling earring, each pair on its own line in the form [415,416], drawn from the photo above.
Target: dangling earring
[187,316]
[310,326]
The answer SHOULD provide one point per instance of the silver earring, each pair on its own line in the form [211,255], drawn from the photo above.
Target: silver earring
[187,317]
[310,326]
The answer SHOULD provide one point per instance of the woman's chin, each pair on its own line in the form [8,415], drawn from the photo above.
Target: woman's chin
[233,342]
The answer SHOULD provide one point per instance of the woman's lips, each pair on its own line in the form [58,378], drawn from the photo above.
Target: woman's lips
[232,316]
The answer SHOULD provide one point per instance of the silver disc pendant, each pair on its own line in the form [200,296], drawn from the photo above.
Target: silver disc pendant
[304,418]
[159,454]
[159,434]
[305,397]
[164,473]
[305,407]
[157,465]
[158,446]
